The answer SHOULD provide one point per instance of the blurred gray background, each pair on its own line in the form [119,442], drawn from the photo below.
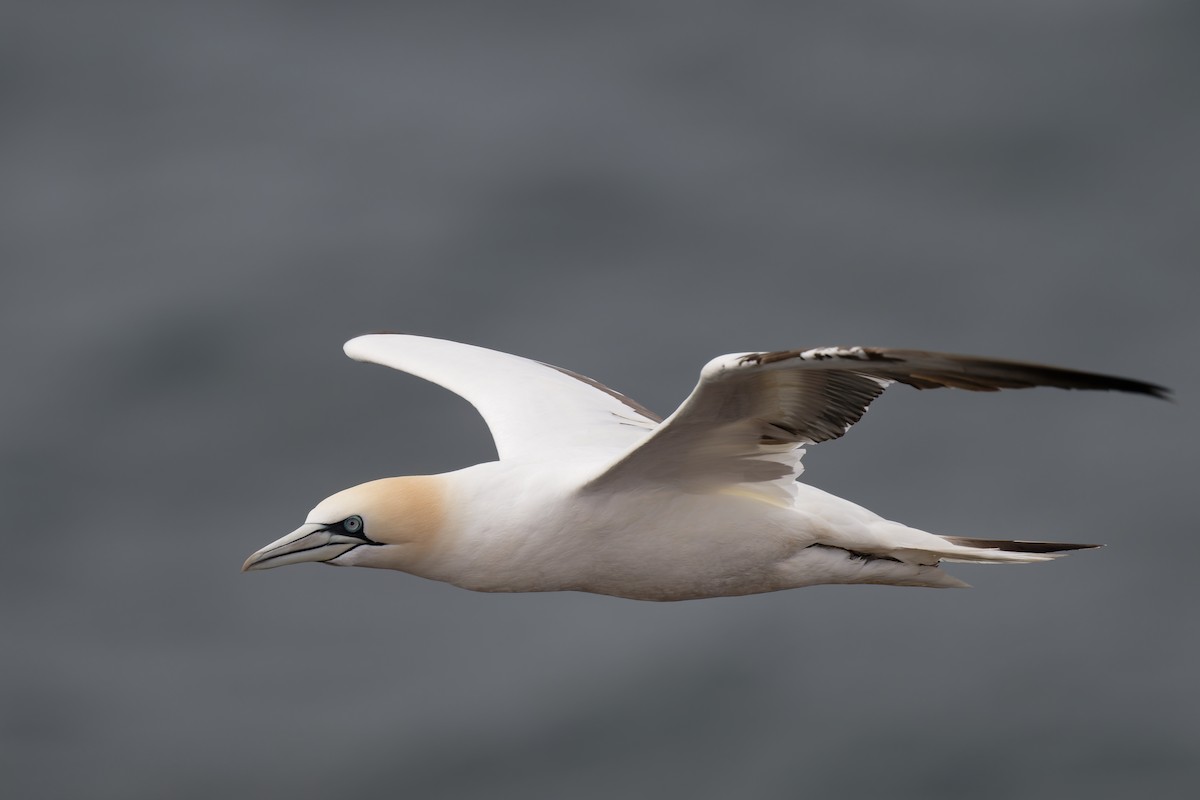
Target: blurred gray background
[201,202]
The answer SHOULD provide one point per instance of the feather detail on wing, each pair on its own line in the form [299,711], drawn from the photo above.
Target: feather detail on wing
[748,418]
[532,409]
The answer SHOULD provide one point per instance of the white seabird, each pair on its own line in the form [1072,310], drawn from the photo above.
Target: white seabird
[594,493]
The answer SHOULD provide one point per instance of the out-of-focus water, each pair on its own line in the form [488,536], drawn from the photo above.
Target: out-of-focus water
[200,203]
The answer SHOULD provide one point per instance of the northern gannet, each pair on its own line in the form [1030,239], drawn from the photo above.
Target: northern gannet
[594,493]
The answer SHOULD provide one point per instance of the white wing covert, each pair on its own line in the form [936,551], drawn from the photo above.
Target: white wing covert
[532,409]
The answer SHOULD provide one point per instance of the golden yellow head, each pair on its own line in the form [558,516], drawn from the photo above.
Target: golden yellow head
[386,523]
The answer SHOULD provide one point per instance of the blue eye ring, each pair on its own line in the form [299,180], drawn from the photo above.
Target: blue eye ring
[353,525]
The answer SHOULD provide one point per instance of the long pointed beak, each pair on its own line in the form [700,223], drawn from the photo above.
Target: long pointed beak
[310,542]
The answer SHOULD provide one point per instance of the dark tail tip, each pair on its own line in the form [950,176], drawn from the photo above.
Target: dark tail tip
[1016,546]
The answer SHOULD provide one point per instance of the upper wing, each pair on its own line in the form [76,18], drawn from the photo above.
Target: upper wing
[530,407]
[748,418]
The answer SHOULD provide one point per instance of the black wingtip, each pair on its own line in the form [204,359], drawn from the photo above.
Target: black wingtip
[1140,387]
[1161,392]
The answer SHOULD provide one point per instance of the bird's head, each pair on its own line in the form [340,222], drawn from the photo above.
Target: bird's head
[388,523]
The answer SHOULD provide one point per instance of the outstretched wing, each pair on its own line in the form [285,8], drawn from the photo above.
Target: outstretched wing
[530,407]
[747,420]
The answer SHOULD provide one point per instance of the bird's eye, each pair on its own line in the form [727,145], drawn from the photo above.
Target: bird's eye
[352,524]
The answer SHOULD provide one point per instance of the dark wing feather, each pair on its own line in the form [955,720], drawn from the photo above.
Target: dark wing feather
[749,415]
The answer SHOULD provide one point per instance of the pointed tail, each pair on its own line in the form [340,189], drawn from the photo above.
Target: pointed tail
[1002,551]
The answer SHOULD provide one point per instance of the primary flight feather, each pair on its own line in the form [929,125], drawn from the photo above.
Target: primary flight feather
[593,492]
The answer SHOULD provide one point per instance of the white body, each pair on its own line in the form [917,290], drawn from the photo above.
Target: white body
[514,527]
